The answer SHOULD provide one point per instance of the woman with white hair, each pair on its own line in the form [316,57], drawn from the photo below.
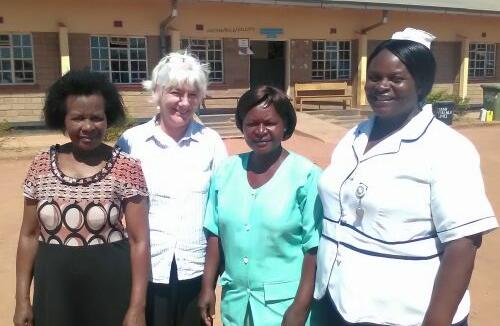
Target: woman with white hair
[178,155]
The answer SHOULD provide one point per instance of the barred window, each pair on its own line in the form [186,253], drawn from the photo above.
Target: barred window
[331,60]
[16,59]
[207,51]
[124,59]
[482,60]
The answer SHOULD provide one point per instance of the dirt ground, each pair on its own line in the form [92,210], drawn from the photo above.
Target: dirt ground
[485,284]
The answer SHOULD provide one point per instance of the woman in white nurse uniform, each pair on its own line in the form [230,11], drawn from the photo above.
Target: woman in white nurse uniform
[404,203]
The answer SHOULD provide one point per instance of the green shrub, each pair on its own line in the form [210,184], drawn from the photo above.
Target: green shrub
[5,128]
[114,132]
[461,104]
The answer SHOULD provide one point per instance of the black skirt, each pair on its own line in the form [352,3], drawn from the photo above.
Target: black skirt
[87,286]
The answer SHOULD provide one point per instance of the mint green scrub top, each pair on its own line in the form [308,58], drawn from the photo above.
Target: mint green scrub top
[264,234]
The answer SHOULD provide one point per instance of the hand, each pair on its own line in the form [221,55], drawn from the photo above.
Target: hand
[295,316]
[206,304]
[23,315]
[134,317]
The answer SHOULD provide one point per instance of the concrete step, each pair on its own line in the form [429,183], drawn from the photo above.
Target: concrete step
[222,123]
[209,118]
[339,112]
[350,118]
[219,124]
[342,118]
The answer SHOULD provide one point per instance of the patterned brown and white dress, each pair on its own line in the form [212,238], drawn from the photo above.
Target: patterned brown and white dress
[82,271]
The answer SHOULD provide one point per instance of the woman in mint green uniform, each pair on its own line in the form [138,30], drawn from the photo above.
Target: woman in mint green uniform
[262,222]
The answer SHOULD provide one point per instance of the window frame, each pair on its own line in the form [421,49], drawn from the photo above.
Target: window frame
[474,53]
[12,59]
[338,60]
[109,60]
[207,61]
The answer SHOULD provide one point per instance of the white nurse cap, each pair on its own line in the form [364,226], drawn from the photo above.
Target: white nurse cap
[415,35]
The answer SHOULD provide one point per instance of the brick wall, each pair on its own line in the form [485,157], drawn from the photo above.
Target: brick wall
[153,52]
[475,92]
[448,60]
[136,101]
[236,66]
[447,55]
[23,103]
[300,61]
[79,50]
[22,107]
[449,88]
[47,58]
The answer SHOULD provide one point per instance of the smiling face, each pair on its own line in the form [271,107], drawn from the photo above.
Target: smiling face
[263,129]
[85,121]
[390,88]
[177,106]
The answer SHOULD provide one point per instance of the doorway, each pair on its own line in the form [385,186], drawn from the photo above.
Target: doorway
[267,64]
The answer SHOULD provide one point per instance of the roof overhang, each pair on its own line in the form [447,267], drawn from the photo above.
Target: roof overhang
[458,7]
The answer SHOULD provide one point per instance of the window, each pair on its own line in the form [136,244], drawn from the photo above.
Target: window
[122,58]
[331,60]
[16,59]
[482,60]
[207,51]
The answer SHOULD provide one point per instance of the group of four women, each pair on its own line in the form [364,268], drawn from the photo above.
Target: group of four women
[384,236]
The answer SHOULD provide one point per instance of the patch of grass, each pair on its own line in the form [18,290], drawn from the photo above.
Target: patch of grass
[5,128]
[114,132]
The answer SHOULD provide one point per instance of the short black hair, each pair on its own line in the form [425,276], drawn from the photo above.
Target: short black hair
[417,58]
[81,82]
[269,95]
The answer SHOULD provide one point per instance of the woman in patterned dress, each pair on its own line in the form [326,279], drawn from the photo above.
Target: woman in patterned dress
[87,269]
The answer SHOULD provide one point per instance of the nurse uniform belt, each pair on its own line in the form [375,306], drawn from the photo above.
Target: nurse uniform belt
[360,193]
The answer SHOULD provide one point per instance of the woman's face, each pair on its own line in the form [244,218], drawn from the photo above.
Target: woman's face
[390,88]
[263,129]
[177,106]
[85,121]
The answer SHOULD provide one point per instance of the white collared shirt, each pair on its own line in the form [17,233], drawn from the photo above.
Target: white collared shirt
[387,214]
[178,176]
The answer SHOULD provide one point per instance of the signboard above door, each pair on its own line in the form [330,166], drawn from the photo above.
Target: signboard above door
[271,32]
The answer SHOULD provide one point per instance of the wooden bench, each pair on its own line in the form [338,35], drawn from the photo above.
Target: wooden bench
[215,95]
[319,93]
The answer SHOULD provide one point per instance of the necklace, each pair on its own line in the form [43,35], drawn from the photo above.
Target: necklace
[360,193]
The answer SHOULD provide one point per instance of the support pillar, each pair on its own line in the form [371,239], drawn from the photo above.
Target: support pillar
[362,62]
[464,69]
[64,49]
[175,39]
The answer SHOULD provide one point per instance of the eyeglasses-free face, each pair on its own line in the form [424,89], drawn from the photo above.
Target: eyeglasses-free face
[177,106]
[85,122]
[390,88]
[263,129]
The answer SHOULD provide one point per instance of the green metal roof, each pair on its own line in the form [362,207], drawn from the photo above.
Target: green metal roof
[478,7]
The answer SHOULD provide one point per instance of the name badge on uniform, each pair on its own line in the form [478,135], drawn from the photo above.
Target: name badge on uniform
[360,193]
